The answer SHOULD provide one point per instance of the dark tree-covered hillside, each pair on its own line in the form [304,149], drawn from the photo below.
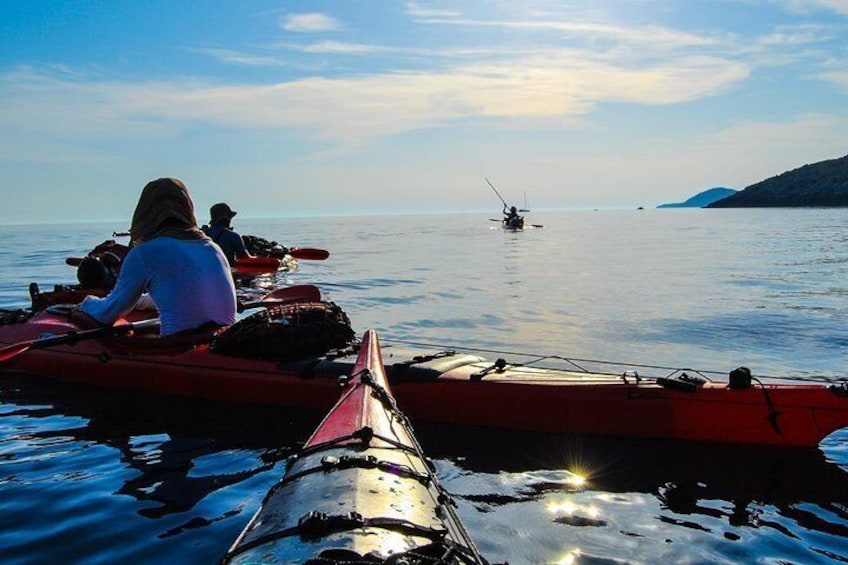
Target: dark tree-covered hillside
[817,184]
[702,199]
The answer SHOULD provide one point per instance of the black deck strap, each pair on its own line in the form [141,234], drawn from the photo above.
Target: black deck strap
[318,524]
[330,463]
[498,367]
[315,525]
[338,353]
[357,435]
[365,435]
[399,369]
[630,374]
[683,381]
[772,412]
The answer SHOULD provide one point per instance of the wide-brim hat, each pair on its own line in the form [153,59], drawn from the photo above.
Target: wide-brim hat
[221,211]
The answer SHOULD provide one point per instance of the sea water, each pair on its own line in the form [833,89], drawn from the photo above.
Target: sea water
[93,476]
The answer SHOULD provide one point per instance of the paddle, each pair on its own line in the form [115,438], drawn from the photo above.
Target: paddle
[309,253]
[498,193]
[256,265]
[285,295]
[72,337]
[261,265]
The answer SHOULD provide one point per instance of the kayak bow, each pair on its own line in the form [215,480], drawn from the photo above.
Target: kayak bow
[360,491]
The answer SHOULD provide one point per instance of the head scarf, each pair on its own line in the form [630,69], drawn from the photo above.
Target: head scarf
[164,209]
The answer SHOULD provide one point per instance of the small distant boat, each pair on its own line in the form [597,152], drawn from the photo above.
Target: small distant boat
[360,491]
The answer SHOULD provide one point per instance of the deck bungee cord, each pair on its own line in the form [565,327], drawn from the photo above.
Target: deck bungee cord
[577,363]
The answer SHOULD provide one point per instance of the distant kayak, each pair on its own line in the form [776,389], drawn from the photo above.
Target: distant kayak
[516,224]
[360,491]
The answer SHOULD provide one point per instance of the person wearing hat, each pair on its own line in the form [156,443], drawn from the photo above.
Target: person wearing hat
[222,233]
[184,272]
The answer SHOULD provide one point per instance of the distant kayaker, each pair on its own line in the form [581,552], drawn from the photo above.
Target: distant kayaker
[221,231]
[185,274]
[511,218]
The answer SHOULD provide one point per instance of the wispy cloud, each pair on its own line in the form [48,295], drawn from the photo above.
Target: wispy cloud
[355,110]
[801,34]
[309,23]
[434,54]
[642,35]
[235,57]
[839,78]
[418,10]
[339,47]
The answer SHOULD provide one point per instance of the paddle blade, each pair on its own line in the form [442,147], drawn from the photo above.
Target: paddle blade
[285,295]
[73,261]
[256,265]
[295,293]
[12,351]
[309,253]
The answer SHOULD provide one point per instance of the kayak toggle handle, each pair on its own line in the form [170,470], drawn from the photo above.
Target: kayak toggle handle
[497,367]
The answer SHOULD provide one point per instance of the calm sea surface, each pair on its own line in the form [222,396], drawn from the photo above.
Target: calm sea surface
[91,476]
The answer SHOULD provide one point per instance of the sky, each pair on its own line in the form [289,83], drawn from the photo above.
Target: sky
[328,107]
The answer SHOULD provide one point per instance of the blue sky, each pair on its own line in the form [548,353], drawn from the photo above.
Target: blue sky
[334,107]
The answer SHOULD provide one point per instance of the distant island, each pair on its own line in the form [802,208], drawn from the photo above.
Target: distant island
[817,184]
[702,199]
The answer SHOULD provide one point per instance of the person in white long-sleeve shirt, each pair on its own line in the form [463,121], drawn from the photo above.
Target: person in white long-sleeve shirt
[184,272]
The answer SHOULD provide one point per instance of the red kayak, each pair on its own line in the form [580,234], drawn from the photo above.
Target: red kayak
[360,491]
[267,257]
[439,386]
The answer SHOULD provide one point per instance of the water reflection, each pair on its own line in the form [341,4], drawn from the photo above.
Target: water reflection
[687,501]
[164,440]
